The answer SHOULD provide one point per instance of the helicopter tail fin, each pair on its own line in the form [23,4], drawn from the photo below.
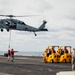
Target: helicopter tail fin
[42,27]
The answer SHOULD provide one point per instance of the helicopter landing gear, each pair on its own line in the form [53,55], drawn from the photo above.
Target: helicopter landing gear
[7,30]
[1,30]
[35,34]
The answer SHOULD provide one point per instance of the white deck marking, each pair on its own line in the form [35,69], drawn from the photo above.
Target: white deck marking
[50,70]
[5,74]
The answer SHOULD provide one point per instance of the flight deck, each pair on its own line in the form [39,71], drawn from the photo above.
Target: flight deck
[31,65]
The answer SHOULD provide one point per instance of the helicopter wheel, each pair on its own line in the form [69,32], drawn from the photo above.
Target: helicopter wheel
[7,30]
[35,34]
[1,30]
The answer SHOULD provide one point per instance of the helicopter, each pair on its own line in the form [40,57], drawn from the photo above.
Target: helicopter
[15,24]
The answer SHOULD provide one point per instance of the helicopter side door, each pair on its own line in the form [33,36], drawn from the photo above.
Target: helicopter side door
[20,25]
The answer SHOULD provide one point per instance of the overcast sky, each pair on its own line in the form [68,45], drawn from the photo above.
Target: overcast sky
[60,17]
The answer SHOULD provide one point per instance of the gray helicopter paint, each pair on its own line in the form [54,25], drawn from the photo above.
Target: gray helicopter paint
[15,24]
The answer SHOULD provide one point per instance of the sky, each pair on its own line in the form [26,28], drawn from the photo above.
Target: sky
[60,17]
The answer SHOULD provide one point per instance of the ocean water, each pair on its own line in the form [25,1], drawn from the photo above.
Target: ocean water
[23,53]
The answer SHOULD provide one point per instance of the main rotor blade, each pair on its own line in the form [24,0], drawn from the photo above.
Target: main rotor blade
[26,16]
[2,15]
[18,16]
[7,15]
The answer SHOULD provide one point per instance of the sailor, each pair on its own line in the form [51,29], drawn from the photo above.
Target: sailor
[8,54]
[12,54]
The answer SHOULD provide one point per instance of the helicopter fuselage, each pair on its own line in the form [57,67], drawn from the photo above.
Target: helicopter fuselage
[14,24]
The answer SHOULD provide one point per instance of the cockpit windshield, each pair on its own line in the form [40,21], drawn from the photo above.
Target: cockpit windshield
[20,22]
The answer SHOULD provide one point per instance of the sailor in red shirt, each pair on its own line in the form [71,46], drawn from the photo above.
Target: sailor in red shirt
[12,54]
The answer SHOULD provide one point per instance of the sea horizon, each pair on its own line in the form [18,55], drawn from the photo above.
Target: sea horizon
[25,53]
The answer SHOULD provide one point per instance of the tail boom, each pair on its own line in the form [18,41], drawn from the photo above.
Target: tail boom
[44,30]
[42,27]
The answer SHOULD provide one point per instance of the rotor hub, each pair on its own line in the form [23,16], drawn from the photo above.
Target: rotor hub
[10,16]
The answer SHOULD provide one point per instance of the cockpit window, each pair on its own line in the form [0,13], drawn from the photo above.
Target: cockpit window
[21,23]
